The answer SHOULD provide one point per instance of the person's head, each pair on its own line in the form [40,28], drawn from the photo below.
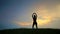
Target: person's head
[34,14]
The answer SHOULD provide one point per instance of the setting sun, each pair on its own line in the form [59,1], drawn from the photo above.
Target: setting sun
[44,21]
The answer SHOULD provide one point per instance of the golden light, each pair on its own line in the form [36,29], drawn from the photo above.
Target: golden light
[44,21]
[44,18]
[23,23]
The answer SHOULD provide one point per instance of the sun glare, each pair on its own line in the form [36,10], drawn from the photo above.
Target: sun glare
[44,21]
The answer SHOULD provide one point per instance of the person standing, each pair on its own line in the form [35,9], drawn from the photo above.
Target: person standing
[34,16]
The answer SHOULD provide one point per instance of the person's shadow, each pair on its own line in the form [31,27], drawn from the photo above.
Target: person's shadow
[34,16]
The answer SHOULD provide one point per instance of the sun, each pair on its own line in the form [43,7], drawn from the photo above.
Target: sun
[44,21]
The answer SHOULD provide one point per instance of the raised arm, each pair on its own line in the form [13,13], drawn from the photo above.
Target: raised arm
[34,14]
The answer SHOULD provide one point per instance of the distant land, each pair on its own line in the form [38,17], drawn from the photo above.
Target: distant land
[30,31]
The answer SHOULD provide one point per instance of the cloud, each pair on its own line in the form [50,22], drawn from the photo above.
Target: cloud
[23,24]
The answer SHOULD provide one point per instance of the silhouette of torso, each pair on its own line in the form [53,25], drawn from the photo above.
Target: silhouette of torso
[34,18]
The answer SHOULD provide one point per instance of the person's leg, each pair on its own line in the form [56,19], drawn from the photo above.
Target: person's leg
[36,25]
[33,25]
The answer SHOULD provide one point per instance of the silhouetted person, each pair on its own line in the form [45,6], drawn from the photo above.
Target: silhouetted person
[34,16]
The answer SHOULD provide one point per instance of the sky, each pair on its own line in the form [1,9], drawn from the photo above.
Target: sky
[18,13]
